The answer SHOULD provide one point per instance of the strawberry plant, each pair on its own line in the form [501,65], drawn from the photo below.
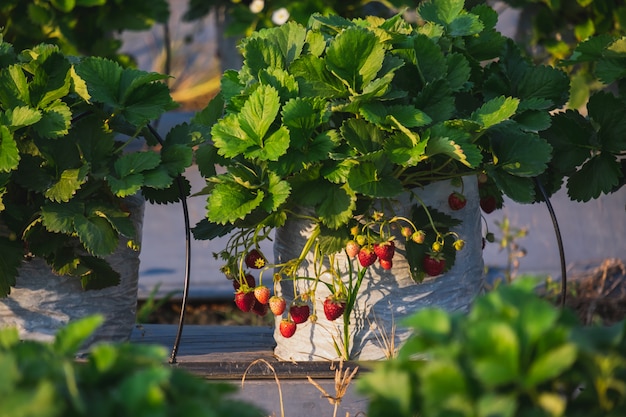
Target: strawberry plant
[514,354]
[45,379]
[333,122]
[66,126]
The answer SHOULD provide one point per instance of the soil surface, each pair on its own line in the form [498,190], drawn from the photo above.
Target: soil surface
[597,295]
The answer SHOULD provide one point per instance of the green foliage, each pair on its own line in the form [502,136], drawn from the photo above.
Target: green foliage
[358,111]
[46,379]
[65,125]
[589,150]
[78,27]
[514,354]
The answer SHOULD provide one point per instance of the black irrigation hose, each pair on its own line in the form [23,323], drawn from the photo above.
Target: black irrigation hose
[559,241]
[183,200]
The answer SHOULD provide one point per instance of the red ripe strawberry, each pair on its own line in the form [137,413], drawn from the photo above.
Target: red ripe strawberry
[385,250]
[366,256]
[287,328]
[456,201]
[333,307]
[352,248]
[433,264]
[384,264]
[259,309]
[255,259]
[262,294]
[244,300]
[488,204]
[299,313]
[277,305]
[249,281]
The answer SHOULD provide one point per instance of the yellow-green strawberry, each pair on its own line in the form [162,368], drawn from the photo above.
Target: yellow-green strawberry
[277,305]
[262,294]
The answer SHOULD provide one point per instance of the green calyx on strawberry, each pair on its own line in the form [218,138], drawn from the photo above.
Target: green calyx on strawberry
[433,264]
[334,306]
[385,250]
[367,256]
[456,201]
[299,313]
[255,259]
[244,299]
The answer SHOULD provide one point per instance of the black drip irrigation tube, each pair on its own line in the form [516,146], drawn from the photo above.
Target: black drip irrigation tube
[559,240]
[183,200]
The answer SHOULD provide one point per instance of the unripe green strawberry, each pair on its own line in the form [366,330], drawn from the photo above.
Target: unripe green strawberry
[277,305]
[406,231]
[418,237]
[459,244]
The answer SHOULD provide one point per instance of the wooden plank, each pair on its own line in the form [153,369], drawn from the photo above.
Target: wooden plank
[229,352]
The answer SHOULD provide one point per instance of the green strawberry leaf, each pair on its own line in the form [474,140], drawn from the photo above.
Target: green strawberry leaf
[101,274]
[447,140]
[52,81]
[402,150]
[303,115]
[14,90]
[229,202]
[429,59]
[59,218]
[571,137]
[120,220]
[128,185]
[608,112]
[9,154]
[520,153]
[102,77]
[22,116]
[55,120]
[147,102]
[364,137]
[136,162]
[67,184]
[495,111]
[159,178]
[600,174]
[519,189]
[277,193]
[366,178]
[355,56]
[336,209]
[315,79]
[171,194]
[96,234]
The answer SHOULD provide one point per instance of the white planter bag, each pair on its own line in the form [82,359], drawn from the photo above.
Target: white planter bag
[385,297]
[42,303]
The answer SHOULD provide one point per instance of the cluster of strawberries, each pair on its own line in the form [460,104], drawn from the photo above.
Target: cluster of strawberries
[250,297]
